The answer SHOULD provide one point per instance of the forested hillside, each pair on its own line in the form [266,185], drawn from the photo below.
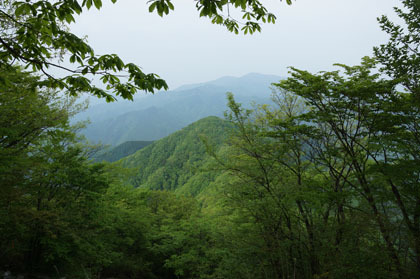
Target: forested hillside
[178,162]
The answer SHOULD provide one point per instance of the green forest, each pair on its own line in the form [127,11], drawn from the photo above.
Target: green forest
[323,182]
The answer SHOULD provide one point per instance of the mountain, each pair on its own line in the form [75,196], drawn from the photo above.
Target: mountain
[148,124]
[154,117]
[249,84]
[120,151]
[178,162]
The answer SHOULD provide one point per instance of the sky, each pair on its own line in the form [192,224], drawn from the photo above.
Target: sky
[183,48]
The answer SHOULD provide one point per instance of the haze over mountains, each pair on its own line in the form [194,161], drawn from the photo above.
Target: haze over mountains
[155,116]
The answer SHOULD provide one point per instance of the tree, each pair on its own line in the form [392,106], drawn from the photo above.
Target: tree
[376,133]
[295,216]
[329,176]
[35,34]
[49,192]
[330,186]
[27,117]
[400,56]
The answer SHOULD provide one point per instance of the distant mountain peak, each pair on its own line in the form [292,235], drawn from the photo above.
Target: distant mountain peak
[226,80]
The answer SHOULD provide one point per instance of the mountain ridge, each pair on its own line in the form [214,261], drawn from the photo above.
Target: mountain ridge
[154,117]
[112,154]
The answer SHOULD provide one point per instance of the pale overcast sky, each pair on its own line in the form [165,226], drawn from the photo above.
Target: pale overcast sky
[183,48]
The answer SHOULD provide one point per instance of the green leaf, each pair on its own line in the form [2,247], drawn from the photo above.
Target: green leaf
[98,3]
[170,5]
[88,3]
[152,6]
[22,9]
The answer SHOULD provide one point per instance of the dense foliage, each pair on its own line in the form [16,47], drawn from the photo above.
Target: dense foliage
[48,188]
[330,176]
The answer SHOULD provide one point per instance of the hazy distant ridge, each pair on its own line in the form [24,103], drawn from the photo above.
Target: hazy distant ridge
[153,117]
[120,151]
